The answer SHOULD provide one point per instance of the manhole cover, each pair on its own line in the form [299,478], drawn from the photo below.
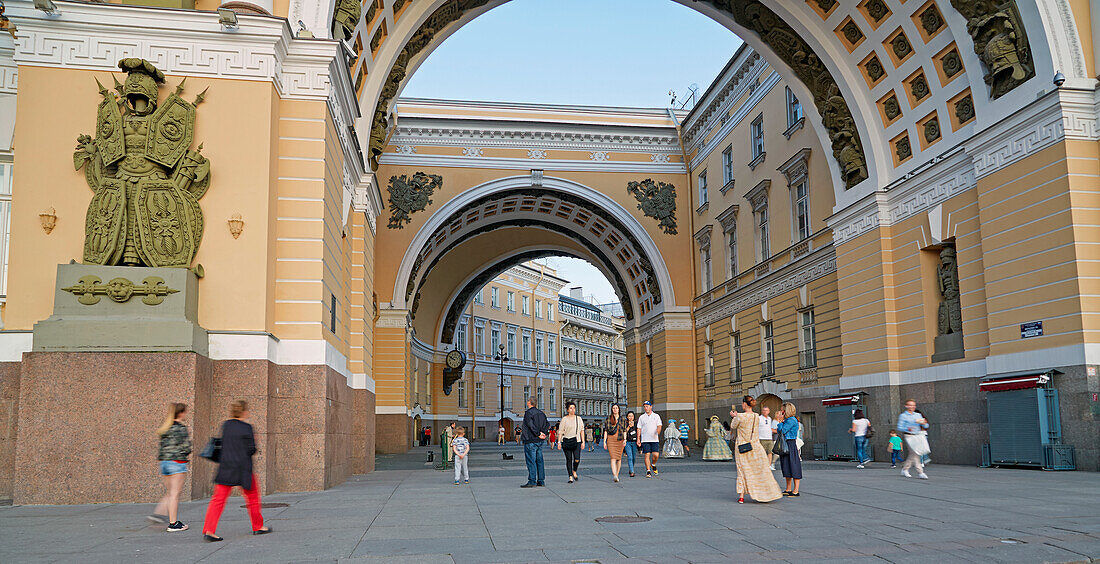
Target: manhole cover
[269,505]
[623,519]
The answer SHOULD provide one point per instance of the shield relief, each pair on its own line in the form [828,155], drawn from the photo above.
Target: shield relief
[164,224]
[108,132]
[170,131]
[104,229]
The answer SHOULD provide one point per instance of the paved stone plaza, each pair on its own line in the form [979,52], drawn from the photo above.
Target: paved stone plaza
[406,512]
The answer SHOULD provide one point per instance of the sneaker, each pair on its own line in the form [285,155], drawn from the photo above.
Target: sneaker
[157,518]
[860,466]
[905,473]
[648,474]
[616,479]
[773,467]
[893,466]
[465,481]
[456,482]
[176,527]
[922,476]
[654,470]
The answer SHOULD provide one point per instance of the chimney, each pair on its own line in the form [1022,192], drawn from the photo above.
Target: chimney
[576,292]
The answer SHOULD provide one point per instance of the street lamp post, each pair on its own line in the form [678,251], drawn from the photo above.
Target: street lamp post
[502,358]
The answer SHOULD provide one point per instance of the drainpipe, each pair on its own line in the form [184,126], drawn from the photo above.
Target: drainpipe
[694,270]
[473,370]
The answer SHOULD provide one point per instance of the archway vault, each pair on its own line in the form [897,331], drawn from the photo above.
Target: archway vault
[495,218]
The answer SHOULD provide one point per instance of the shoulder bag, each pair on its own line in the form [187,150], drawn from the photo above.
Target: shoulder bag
[870,431]
[213,449]
[780,445]
[746,447]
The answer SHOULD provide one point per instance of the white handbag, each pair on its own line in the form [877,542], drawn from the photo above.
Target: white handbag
[918,444]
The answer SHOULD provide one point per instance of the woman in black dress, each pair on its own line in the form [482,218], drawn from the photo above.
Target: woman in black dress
[235,469]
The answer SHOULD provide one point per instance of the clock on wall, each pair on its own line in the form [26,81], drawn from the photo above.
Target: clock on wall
[456,359]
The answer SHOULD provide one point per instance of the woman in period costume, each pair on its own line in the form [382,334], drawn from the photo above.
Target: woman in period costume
[673,448]
[753,476]
[716,447]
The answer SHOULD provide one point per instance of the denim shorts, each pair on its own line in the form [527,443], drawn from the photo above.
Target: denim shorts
[170,467]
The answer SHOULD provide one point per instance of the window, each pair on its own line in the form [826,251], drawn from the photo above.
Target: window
[495,341]
[461,393]
[550,352]
[479,394]
[6,170]
[332,314]
[708,360]
[757,133]
[794,109]
[735,357]
[479,340]
[702,188]
[807,337]
[526,347]
[801,211]
[526,394]
[477,298]
[539,398]
[538,348]
[809,426]
[494,298]
[553,402]
[727,166]
[511,345]
[762,234]
[704,255]
[526,305]
[767,349]
[538,309]
[507,397]
[460,337]
[511,301]
[549,311]
[731,252]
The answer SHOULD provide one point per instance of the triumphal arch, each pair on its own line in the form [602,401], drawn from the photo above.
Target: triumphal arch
[875,200]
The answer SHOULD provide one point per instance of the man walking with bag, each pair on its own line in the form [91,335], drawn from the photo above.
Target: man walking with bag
[910,425]
[535,428]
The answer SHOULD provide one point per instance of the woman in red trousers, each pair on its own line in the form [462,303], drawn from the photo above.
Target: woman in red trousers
[235,469]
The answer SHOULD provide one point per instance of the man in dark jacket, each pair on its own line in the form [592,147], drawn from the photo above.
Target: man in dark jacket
[535,427]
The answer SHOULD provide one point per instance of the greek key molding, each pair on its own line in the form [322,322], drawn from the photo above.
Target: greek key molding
[95,36]
[392,319]
[531,136]
[791,277]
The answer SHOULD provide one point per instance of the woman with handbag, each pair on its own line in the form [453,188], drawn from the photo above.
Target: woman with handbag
[614,433]
[175,449]
[788,449]
[753,476]
[238,446]
[571,440]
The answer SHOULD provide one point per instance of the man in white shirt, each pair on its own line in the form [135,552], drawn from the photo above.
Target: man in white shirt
[767,425]
[649,438]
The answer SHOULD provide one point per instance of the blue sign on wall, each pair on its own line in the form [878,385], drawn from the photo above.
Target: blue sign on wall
[1031,329]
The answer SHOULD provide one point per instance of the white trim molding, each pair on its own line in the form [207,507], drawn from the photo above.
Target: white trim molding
[13,344]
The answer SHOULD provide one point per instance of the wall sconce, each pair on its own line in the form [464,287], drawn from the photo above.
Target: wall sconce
[236,225]
[48,219]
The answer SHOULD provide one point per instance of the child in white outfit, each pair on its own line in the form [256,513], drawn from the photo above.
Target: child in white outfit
[460,448]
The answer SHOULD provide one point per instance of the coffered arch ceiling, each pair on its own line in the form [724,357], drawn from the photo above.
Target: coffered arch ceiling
[849,58]
[494,219]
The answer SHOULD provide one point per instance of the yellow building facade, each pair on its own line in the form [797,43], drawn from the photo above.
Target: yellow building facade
[928,220]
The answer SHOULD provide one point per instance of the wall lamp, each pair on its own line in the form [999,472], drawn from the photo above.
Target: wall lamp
[47,7]
[226,17]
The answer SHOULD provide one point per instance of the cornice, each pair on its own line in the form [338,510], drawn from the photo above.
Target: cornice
[796,168]
[723,98]
[758,196]
[449,132]
[95,36]
[728,218]
[704,149]
[462,161]
[792,276]
[392,318]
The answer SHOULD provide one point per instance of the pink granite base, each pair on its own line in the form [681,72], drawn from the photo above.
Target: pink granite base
[85,424]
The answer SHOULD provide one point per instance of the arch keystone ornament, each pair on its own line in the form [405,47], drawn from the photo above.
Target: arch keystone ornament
[147,181]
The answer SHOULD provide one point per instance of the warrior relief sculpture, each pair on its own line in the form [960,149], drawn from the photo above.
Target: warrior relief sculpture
[146,179]
[950,313]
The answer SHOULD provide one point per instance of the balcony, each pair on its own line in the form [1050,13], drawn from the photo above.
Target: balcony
[807,359]
[735,374]
[767,368]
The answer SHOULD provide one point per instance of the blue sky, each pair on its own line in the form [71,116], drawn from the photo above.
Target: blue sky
[587,52]
[596,52]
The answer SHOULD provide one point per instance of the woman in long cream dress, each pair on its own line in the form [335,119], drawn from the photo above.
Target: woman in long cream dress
[753,476]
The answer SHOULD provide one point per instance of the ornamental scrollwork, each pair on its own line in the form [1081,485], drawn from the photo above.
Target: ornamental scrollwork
[656,200]
[146,180]
[1000,42]
[89,289]
[410,195]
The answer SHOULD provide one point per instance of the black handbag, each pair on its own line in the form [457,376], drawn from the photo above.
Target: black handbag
[213,450]
[780,446]
[746,447]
